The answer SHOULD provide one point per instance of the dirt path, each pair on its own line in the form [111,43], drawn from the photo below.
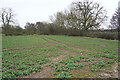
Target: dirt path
[46,71]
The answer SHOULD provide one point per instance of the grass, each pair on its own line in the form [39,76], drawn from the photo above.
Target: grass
[93,44]
[23,55]
[22,41]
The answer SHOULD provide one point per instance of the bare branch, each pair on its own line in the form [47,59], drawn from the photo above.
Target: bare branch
[6,16]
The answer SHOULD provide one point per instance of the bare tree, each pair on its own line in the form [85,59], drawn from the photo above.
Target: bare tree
[6,16]
[7,19]
[89,14]
[114,21]
[82,15]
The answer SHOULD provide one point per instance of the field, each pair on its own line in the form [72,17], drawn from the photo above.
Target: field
[50,56]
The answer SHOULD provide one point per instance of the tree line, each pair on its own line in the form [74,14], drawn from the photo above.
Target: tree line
[83,18]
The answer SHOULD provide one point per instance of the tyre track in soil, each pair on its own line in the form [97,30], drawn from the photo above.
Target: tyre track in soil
[65,45]
[71,47]
[47,72]
[103,74]
[20,48]
[54,44]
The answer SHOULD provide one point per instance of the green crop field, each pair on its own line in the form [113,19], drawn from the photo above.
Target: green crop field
[50,56]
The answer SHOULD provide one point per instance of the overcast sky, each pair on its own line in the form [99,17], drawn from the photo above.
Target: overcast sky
[40,10]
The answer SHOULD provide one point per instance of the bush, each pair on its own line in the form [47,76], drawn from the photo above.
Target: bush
[102,34]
